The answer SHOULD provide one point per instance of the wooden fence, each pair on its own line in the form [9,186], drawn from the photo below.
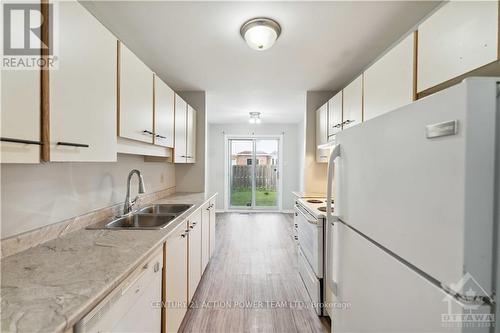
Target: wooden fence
[265,176]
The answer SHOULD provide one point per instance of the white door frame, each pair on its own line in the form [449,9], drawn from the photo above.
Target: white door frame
[228,137]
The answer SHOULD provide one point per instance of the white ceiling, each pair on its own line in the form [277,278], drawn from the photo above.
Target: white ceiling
[197,46]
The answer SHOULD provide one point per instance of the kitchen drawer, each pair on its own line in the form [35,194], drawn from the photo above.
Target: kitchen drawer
[310,280]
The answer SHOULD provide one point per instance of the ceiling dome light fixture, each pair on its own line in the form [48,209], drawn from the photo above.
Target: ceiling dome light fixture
[254,118]
[260,33]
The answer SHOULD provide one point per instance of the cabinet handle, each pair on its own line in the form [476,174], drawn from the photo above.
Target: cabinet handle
[348,121]
[337,125]
[72,144]
[28,142]
[148,132]
[183,235]
[160,136]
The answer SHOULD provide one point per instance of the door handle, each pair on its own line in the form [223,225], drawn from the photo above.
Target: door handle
[72,144]
[28,142]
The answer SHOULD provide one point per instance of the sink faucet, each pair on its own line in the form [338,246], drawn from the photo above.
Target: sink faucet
[127,207]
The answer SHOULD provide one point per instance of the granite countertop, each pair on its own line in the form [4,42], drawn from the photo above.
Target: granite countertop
[48,288]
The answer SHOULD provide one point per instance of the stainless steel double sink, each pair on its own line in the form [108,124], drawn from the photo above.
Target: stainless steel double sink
[147,218]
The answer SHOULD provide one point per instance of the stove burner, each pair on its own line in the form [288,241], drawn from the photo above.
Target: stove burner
[323,209]
[314,201]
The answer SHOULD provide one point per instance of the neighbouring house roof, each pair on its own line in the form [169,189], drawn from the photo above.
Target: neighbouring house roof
[249,153]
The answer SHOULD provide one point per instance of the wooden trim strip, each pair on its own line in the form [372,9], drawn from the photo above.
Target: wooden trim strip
[154,108]
[118,68]
[44,84]
[415,64]
[498,31]
[362,97]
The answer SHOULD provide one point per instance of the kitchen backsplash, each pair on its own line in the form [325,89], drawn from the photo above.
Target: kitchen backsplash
[34,196]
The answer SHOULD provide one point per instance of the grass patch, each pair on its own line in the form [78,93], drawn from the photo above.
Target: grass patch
[263,197]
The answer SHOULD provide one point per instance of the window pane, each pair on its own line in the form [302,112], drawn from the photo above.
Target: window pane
[241,173]
[266,173]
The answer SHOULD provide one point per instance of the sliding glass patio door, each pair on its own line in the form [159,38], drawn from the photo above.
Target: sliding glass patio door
[253,173]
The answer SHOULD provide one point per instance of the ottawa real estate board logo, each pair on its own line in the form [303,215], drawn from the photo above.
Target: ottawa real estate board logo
[29,39]
[472,310]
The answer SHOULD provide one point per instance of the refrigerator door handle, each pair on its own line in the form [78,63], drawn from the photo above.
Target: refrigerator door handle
[335,153]
[330,222]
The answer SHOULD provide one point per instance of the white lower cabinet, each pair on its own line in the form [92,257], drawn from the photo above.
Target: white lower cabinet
[176,278]
[205,236]
[194,253]
[212,235]
[134,306]
[83,89]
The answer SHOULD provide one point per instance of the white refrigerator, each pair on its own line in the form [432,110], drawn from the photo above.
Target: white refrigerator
[413,241]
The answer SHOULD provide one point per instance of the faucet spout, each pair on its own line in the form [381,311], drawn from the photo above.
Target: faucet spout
[127,207]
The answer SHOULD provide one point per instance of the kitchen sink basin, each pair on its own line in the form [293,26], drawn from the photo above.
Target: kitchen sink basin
[141,221]
[136,222]
[160,209]
[150,217]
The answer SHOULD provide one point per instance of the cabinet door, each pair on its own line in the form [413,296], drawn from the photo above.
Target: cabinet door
[191,135]
[205,236]
[20,115]
[388,84]
[136,98]
[83,89]
[212,227]
[194,253]
[334,115]
[459,37]
[164,114]
[176,279]
[321,133]
[180,150]
[353,103]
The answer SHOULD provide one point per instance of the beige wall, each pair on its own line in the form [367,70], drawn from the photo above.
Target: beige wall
[191,177]
[33,196]
[314,173]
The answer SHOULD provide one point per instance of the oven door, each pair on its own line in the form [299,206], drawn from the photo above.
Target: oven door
[310,237]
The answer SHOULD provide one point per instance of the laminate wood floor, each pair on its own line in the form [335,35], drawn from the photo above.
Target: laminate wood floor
[252,283]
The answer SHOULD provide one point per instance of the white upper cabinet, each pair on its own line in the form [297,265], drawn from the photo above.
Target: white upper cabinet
[322,133]
[164,114]
[83,89]
[136,98]
[353,103]
[180,130]
[388,83]
[191,135]
[459,37]
[20,116]
[334,115]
